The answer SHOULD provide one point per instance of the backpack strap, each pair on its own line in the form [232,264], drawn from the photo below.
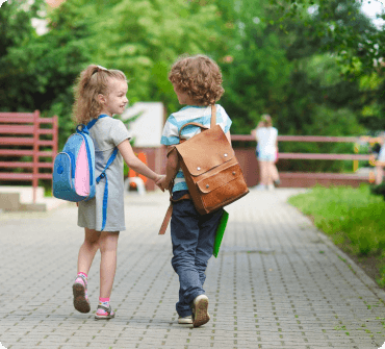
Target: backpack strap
[105,195]
[213,121]
[193,124]
[93,121]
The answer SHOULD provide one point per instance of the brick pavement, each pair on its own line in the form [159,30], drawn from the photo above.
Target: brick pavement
[278,283]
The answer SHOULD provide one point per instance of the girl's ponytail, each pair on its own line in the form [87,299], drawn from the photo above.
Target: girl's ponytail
[86,75]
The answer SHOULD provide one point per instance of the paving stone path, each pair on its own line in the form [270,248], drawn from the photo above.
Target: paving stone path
[278,283]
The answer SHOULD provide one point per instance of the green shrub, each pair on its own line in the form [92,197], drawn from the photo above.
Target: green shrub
[352,217]
[379,190]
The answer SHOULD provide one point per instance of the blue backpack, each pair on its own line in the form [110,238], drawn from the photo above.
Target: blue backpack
[74,169]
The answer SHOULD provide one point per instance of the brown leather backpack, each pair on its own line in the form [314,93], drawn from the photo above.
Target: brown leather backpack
[213,175]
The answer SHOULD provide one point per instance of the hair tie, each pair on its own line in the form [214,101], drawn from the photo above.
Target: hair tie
[99,68]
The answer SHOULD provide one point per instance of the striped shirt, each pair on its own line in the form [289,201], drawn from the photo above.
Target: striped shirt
[175,121]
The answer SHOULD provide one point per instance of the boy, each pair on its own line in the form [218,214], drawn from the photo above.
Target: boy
[197,82]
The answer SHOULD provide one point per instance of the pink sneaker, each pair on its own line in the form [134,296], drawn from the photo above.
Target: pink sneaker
[81,302]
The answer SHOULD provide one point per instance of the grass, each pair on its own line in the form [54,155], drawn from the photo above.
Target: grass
[352,217]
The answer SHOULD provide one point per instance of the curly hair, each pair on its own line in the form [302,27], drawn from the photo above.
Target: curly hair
[200,77]
[91,82]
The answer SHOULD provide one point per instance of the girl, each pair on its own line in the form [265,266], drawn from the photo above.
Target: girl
[380,163]
[102,92]
[267,150]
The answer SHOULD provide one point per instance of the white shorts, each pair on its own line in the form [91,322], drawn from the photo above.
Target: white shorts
[381,155]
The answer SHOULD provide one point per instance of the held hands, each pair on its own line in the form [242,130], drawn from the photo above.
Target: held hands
[158,179]
[163,183]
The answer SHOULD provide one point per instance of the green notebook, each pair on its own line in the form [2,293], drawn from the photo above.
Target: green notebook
[220,232]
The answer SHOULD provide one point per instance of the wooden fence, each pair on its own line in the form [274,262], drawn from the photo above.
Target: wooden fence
[248,162]
[20,137]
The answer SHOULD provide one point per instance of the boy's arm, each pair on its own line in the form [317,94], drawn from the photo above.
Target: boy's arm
[172,167]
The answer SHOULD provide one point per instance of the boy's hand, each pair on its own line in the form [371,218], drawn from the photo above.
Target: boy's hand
[159,181]
[164,184]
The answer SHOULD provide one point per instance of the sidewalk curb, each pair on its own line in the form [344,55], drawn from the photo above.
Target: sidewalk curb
[359,272]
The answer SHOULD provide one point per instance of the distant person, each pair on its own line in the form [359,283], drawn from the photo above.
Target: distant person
[267,152]
[380,163]
[101,93]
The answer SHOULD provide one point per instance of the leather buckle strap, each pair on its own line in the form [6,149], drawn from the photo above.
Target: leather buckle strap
[184,197]
[166,220]
[167,217]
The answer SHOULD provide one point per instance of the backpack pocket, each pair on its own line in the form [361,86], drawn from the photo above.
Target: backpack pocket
[82,172]
[63,177]
[222,186]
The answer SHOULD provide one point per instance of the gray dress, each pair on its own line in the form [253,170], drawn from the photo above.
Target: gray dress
[107,134]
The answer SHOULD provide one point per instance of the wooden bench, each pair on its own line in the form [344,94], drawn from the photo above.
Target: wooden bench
[20,136]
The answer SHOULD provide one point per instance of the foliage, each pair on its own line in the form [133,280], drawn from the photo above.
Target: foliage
[287,76]
[144,38]
[352,217]
[40,72]
[15,31]
[339,27]
[256,70]
[284,65]
[379,190]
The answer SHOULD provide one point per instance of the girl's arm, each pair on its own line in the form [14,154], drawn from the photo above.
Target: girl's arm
[133,162]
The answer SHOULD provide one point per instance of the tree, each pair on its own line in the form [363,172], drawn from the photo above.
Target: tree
[340,27]
[15,31]
[144,38]
[256,69]
[38,72]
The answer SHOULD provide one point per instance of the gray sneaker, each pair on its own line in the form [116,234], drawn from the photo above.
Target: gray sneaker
[200,310]
[277,183]
[188,320]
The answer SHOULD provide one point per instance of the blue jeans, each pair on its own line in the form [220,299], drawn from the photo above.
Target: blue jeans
[193,239]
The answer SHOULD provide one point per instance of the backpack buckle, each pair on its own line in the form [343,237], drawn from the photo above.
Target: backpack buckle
[81,128]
